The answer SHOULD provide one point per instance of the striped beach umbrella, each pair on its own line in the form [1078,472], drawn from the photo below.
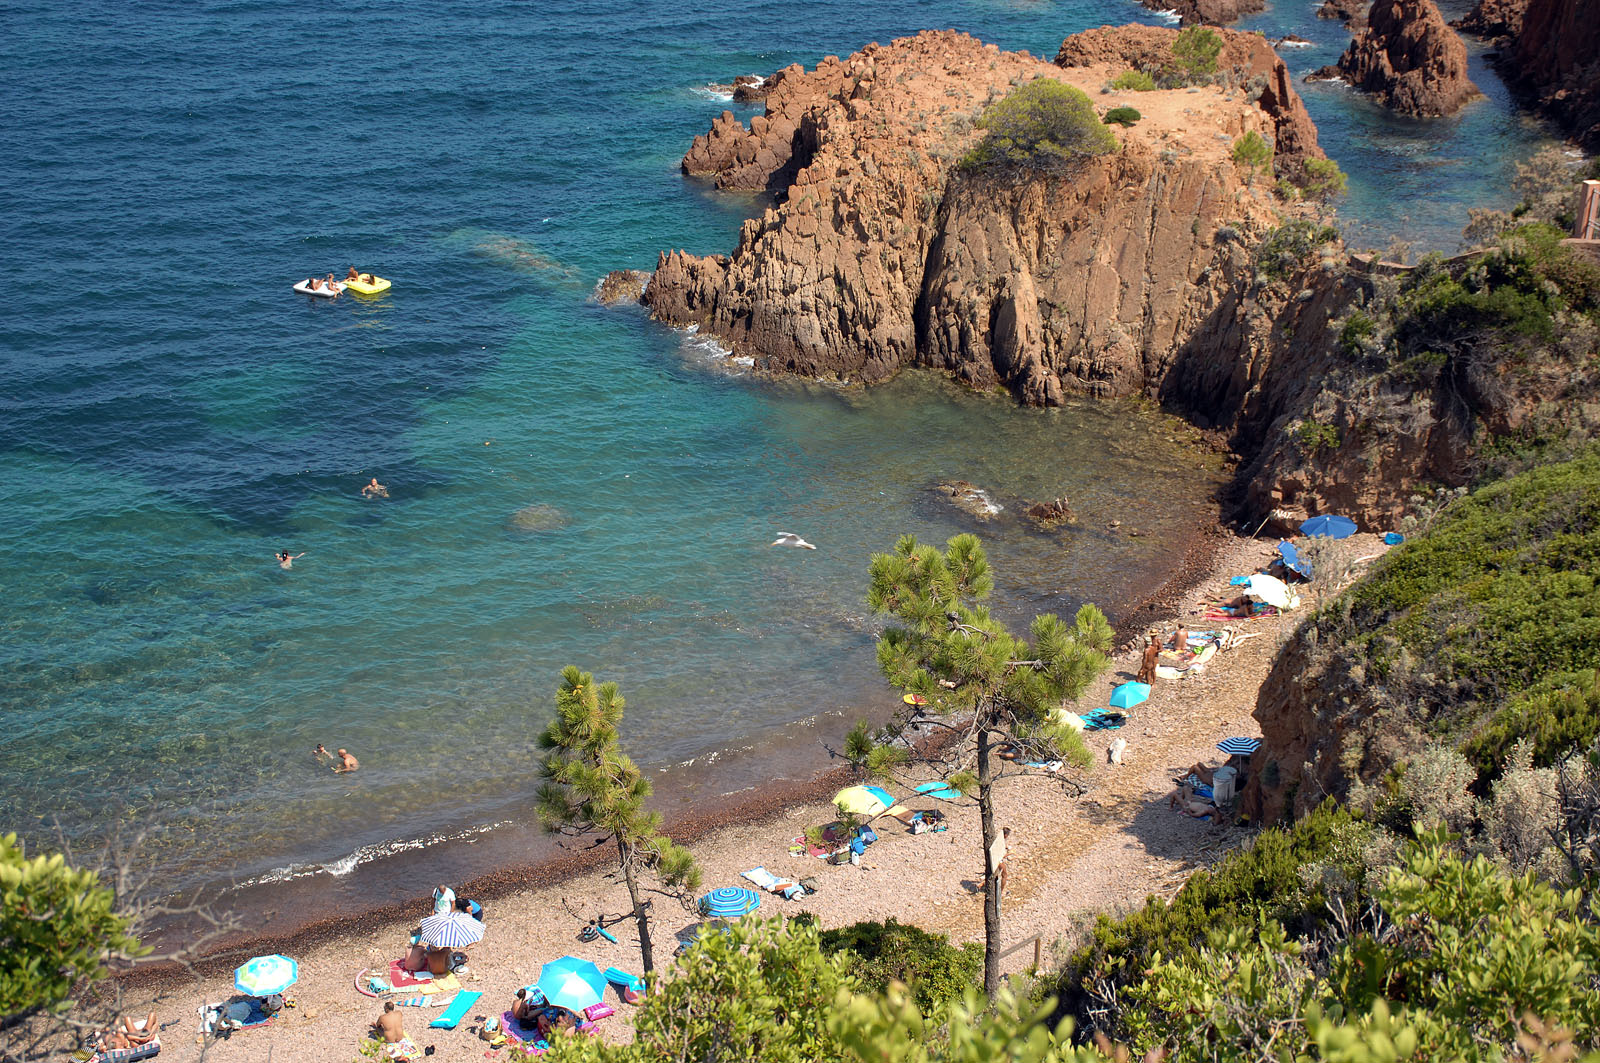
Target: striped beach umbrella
[1239,747]
[730,902]
[263,976]
[450,930]
[571,983]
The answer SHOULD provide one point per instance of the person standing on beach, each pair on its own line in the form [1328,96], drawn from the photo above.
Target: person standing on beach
[1147,664]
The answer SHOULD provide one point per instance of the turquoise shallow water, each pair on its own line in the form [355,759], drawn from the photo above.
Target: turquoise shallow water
[569,483]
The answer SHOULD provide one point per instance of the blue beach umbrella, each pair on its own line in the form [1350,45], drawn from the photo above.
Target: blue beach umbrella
[1129,694]
[729,902]
[571,983]
[263,976]
[1329,526]
[1292,559]
[1239,747]
[450,930]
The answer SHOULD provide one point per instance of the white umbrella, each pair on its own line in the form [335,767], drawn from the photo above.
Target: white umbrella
[1269,589]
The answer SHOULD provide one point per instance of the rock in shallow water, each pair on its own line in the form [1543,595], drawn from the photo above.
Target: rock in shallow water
[539,517]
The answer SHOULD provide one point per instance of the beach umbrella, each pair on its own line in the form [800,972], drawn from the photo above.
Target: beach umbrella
[1239,747]
[1292,559]
[263,976]
[863,800]
[729,902]
[1128,695]
[1269,589]
[571,983]
[450,930]
[1329,526]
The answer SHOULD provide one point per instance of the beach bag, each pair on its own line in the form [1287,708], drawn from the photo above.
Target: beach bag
[810,884]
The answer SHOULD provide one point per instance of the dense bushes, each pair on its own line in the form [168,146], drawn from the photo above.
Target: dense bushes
[937,972]
[1042,125]
[1135,80]
[1123,116]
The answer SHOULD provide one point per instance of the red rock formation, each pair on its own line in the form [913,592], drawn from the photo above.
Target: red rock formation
[1493,18]
[1409,59]
[1208,12]
[884,254]
[1247,60]
[1353,13]
[1556,58]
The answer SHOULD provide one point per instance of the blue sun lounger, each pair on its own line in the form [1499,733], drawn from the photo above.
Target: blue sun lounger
[456,1011]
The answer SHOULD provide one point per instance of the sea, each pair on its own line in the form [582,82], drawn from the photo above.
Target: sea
[568,483]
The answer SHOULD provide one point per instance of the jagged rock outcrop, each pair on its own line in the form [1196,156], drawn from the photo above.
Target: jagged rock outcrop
[883,253]
[1247,60]
[621,286]
[1409,59]
[1050,514]
[1353,13]
[1493,18]
[1208,12]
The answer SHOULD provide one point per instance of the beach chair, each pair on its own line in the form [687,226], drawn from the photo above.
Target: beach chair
[629,987]
[457,1011]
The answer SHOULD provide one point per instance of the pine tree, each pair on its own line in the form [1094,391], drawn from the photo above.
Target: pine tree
[978,679]
[592,787]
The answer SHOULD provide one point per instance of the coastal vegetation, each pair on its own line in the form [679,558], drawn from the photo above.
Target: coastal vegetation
[1123,116]
[1253,153]
[1039,125]
[1134,80]
[996,694]
[592,787]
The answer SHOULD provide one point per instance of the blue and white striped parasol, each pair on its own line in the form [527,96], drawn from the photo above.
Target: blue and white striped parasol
[1239,747]
[450,930]
[729,902]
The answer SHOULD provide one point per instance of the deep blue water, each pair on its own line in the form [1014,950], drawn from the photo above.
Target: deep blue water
[569,483]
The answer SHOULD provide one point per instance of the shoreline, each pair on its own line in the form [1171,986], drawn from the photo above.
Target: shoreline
[685,827]
[1104,851]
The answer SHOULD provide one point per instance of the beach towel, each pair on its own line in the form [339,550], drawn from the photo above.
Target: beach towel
[127,1055]
[940,789]
[425,1000]
[766,880]
[460,1004]
[405,1048]
[516,1031]
[400,978]
[1044,765]
[225,1018]
[1102,720]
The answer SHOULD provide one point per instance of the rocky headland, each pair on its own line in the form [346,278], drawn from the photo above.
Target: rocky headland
[1409,59]
[1353,13]
[1549,50]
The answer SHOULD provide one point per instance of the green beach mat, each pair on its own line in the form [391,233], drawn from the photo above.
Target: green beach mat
[456,1011]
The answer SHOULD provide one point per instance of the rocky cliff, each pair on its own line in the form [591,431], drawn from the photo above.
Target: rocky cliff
[1208,12]
[1409,59]
[1493,18]
[1557,58]
[884,253]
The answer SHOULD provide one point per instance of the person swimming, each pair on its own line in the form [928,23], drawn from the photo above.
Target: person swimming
[286,560]
[374,489]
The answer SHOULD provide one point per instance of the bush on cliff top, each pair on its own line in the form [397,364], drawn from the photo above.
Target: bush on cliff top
[1042,125]
[1123,116]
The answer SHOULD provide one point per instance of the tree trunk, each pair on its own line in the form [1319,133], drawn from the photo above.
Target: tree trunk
[640,911]
[991,881]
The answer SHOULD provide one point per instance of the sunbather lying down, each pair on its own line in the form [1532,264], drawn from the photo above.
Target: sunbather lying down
[131,1032]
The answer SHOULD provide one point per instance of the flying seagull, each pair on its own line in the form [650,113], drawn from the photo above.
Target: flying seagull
[791,539]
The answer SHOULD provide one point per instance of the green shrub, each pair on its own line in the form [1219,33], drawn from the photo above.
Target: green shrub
[1265,880]
[58,928]
[1321,180]
[1313,436]
[1195,52]
[1286,248]
[1123,116]
[937,972]
[1044,124]
[1252,152]
[1136,80]
[1358,329]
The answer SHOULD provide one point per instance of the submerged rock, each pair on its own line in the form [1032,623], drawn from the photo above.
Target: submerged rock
[971,500]
[1050,514]
[539,517]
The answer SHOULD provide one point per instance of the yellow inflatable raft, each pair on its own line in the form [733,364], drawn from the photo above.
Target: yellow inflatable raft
[368,285]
